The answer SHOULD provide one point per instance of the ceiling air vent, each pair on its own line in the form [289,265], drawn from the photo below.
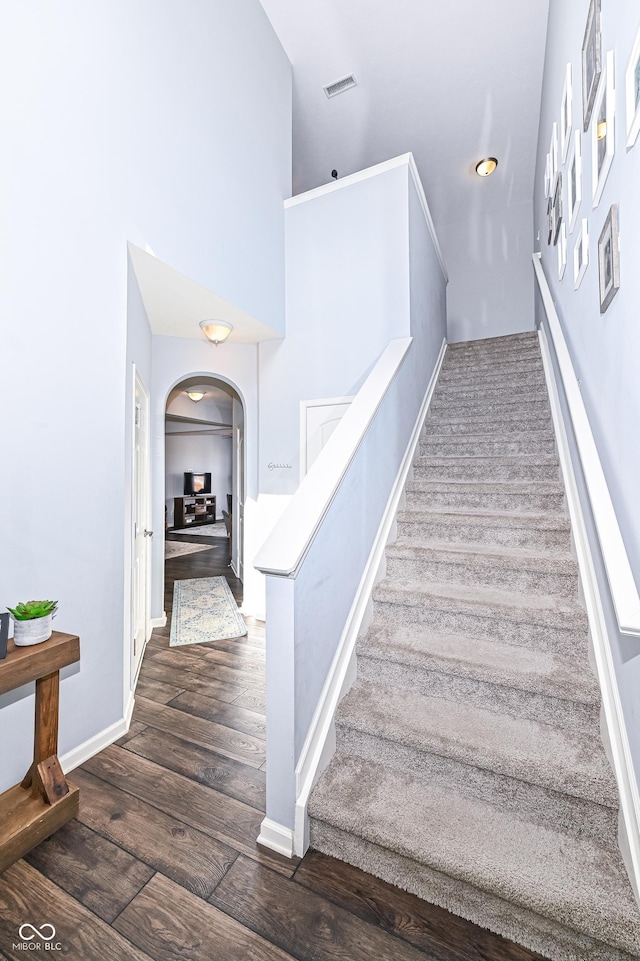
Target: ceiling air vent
[339,86]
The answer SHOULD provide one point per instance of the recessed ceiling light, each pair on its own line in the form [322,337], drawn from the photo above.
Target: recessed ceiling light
[486,167]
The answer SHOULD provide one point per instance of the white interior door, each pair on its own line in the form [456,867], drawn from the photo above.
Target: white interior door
[318,420]
[142,533]
[238,510]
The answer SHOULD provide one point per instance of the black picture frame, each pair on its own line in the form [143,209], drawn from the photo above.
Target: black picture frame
[591,61]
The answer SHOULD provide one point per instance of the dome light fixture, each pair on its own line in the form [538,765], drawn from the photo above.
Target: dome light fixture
[486,167]
[216,331]
[195,395]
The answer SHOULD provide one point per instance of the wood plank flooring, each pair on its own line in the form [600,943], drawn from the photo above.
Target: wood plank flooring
[162,862]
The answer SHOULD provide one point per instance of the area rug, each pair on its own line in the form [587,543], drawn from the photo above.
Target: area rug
[204,610]
[205,530]
[177,548]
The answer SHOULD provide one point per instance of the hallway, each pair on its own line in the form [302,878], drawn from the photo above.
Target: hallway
[162,863]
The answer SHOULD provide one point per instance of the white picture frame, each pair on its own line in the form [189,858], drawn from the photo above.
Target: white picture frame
[609,259]
[602,131]
[581,254]
[547,176]
[632,89]
[574,181]
[591,61]
[553,157]
[566,114]
[562,251]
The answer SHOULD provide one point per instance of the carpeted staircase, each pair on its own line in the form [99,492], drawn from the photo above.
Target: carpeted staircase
[469,766]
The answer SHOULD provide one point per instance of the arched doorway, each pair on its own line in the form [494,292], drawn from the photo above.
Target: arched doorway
[204,456]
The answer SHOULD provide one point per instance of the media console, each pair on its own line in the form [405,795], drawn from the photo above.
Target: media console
[193,510]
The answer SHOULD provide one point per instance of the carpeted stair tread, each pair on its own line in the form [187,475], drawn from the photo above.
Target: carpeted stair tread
[521,558]
[556,876]
[521,748]
[498,603]
[483,659]
[470,766]
[484,460]
[538,520]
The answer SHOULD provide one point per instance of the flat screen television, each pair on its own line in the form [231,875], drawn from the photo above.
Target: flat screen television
[196,482]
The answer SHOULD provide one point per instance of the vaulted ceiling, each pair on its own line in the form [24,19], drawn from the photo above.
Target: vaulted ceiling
[452,82]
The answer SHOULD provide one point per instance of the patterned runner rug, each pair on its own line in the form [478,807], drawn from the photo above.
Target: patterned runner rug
[204,609]
[205,530]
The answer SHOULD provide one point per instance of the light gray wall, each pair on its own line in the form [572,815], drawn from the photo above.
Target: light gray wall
[490,290]
[346,295]
[605,348]
[160,123]
[200,453]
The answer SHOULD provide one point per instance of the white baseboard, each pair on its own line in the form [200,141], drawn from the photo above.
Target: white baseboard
[319,744]
[616,734]
[98,742]
[159,621]
[276,837]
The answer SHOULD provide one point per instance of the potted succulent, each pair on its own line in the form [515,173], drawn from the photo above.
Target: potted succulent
[32,622]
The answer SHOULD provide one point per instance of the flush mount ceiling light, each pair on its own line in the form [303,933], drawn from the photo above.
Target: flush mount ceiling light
[216,331]
[486,167]
[195,395]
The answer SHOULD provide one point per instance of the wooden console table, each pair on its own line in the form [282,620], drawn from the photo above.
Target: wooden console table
[45,800]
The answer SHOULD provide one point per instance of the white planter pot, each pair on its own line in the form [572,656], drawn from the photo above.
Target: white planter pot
[35,631]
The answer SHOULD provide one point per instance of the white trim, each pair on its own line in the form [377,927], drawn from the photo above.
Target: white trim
[375,171]
[98,742]
[621,759]
[159,621]
[616,561]
[234,567]
[319,741]
[288,544]
[276,837]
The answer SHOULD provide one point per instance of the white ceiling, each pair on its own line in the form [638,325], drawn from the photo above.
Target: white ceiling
[451,81]
[175,304]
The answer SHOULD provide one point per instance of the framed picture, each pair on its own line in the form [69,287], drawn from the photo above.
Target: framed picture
[557,207]
[602,131]
[609,259]
[574,181]
[562,251]
[581,254]
[549,220]
[547,176]
[591,61]
[566,114]
[632,84]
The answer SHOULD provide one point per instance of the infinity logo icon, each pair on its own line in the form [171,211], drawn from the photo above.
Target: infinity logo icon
[36,933]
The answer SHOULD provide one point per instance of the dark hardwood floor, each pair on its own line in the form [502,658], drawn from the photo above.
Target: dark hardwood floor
[162,862]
